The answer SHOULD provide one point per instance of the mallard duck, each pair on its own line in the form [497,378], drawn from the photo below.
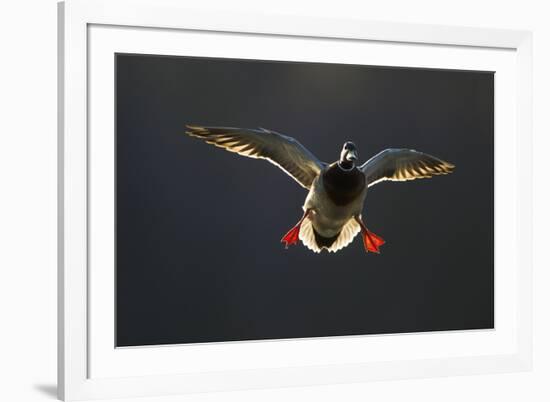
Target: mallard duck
[333,207]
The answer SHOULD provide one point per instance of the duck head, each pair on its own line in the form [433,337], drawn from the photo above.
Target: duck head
[348,156]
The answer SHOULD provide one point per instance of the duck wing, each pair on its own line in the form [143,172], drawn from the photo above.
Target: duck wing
[283,151]
[403,164]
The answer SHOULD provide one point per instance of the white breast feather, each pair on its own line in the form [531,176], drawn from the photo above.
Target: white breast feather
[349,231]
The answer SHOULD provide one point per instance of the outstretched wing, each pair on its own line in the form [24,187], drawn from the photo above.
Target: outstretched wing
[284,152]
[402,165]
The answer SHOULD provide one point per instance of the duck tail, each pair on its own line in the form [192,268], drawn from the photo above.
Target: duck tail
[315,242]
[324,242]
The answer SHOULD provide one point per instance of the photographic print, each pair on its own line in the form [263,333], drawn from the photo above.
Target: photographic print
[354,200]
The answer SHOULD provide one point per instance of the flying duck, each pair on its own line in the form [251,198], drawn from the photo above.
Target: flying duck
[333,207]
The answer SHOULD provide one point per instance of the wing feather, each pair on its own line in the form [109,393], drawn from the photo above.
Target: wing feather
[403,164]
[283,151]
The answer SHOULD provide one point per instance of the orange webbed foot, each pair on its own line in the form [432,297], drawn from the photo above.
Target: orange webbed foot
[291,237]
[371,241]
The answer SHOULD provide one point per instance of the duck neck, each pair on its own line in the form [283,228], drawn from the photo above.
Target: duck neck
[346,165]
[343,185]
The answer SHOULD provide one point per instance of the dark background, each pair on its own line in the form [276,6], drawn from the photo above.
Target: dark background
[198,228]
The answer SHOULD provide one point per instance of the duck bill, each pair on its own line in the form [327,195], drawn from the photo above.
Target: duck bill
[351,156]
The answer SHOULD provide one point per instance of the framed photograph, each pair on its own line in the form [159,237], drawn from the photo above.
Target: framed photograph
[252,201]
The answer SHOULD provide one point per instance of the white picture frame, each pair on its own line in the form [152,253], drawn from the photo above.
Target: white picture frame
[79,342]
